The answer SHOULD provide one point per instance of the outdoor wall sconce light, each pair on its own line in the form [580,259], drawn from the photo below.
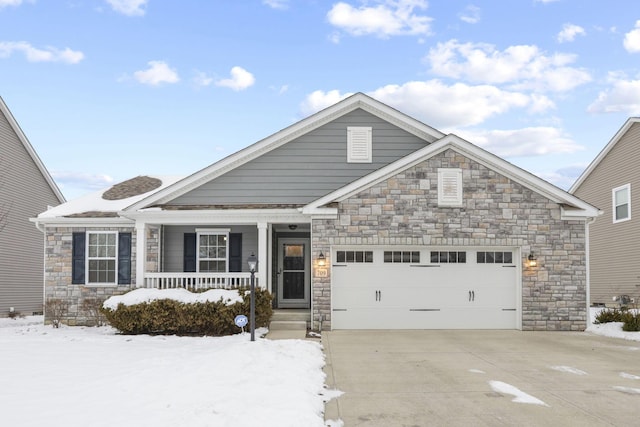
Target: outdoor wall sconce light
[321,260]
[533,261]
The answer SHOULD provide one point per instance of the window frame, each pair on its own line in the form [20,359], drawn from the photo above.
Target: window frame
[212,232]
[627,188]
[353,256]
[89,258]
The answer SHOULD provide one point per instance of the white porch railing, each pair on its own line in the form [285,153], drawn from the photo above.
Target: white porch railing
[197,281]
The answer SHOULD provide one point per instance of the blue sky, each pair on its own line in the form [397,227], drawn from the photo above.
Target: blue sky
[106,90]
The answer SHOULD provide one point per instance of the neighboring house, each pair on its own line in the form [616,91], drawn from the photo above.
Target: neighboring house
[612,183]
[26,188]
[359,213]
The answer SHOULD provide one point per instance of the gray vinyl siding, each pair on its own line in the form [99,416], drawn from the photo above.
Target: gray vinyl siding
[24,192]
[173,244]
[615,248]
[306,168]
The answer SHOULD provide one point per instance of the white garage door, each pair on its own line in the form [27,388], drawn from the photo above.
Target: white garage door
[424,288]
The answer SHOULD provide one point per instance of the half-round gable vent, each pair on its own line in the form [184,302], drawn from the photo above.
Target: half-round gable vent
[132,187]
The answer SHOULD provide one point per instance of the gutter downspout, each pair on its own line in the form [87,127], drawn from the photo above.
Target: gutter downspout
[588,266]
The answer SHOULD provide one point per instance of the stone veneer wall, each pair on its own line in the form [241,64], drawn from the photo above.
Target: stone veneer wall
[58,270]
[496,211]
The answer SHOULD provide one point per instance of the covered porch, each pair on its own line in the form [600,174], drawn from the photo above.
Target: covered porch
[209,249]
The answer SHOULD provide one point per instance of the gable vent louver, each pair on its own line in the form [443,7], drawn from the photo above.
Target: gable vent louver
[359,144]
[449,187]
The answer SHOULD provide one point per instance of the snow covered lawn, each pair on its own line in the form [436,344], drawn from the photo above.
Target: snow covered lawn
[76,376]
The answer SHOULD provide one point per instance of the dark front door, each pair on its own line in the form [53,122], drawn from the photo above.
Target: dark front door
[293,272]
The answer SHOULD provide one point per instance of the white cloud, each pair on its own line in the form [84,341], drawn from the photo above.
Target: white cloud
[384,19]
[240,79]
[569,33]
[565,177]
[529,141]
[280,90]
[277,4]
[632,39]
[545,1]
[441,105]
[129,7]
[49,54]
[623,96]
[319,100]
[158,72]
[522,66]
[201,79]
[82,180]
[4,3]
[470,15]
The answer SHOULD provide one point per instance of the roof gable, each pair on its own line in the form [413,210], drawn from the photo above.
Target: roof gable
[607,148]
[575,206]
[286,135]
[30,150]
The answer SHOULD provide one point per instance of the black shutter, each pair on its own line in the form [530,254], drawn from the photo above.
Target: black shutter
[235,252]
[77,258]
[190,251]
[124,259]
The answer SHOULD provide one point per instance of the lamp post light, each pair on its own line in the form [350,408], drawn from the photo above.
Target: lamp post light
[253,262]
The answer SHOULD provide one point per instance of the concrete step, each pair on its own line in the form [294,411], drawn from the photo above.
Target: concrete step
[288,325]
[291,314]
[283,315]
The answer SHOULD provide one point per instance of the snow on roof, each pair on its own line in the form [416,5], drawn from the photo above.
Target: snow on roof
[98,205]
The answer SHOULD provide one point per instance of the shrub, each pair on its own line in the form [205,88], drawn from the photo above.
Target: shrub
[632,322]
[611,315]
[91,308]
[56,309]
[170,317]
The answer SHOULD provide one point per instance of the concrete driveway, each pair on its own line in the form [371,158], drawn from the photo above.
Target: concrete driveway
[433,378]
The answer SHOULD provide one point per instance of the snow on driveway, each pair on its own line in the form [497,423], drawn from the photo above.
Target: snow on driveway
[76,376]
[519,395]
[568,369]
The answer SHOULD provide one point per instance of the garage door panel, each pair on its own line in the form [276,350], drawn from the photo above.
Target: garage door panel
[402,318]
[428,296]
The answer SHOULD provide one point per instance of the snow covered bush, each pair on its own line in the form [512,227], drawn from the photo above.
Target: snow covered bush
[632,322]
[180,312]
[630,318]
[611,315]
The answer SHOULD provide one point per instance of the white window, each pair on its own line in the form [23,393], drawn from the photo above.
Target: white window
[359,141]
[213,251]
[102,257]
[449,187]
[622,203]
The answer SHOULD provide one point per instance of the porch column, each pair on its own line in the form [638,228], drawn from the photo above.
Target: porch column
[263,263]
[141,252]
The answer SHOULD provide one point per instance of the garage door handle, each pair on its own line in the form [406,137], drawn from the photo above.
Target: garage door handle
[472,295]
[378,295]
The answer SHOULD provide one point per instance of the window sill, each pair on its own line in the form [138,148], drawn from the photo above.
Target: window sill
[102,285]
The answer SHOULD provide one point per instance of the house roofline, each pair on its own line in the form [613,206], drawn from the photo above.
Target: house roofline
[358,100]
[603,153]
[468,149]
[207,216]
[81,222]
[32,152]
